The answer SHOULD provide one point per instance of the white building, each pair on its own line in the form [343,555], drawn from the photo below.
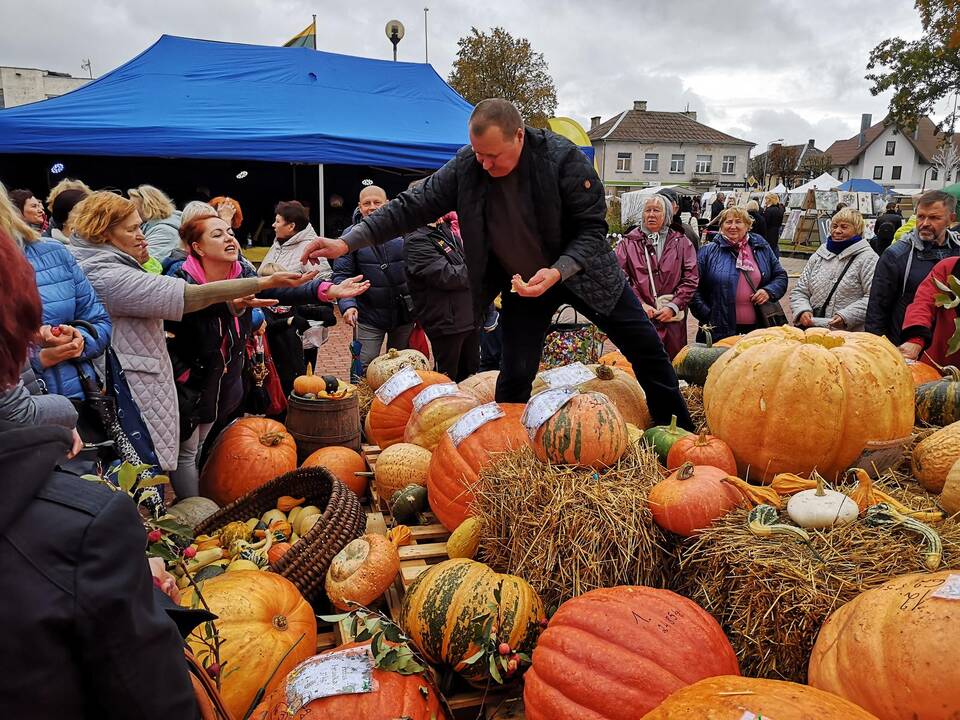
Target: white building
[894,159]
[640,148]
[19,86]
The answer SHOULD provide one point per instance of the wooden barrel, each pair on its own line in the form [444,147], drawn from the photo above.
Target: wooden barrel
[315,424]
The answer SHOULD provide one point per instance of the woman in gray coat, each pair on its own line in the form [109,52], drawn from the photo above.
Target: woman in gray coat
[834,286]
[111,249]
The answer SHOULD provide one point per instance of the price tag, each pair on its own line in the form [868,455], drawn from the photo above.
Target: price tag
[433,392]
[950,590]
[879,455]
[401,381]
[472,420]
[544,406]
[572,374]
[345,672]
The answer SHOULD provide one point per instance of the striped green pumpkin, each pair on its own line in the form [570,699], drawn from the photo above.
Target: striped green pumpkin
[446,604]
[587,431]
[938,402]
[693,362]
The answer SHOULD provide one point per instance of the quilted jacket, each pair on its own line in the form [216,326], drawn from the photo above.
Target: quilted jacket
[383,266]
[138,303]
[570,209]
[162,236]
[819,276]
[67,295]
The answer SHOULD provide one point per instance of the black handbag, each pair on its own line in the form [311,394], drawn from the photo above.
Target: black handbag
[770,313]
[820,311]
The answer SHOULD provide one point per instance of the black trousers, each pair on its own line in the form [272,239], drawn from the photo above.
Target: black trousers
[458,355]
[525,322]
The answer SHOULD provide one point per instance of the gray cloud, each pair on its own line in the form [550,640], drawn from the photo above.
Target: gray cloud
[792,70]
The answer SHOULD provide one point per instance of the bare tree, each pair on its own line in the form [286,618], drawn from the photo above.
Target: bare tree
[946,160]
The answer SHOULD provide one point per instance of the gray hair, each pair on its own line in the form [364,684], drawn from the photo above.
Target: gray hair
[664,203]
[195,209]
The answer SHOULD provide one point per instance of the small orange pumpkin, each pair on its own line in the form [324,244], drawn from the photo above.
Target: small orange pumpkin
[923,373]
[344,463]
[362,571]
[692,498]
[702,449]
[618,360]
[277,551]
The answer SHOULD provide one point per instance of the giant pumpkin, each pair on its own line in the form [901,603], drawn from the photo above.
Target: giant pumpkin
[893,650]
[261,616]
[344,463]
[587,431]
[616,653]
[443,607]
[789,400]
[250,452]
[389,422]
[735,697]
[393,696]
[454,468]
[625,392]
[425,426]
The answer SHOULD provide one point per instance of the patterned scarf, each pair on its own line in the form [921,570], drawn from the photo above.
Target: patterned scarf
[744,261]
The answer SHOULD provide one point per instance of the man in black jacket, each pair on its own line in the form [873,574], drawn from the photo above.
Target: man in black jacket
[531,211]
[904,265]
[885,228]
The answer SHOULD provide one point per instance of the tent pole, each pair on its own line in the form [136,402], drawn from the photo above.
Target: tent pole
[320,204]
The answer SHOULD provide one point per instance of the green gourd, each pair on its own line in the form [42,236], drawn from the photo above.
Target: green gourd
[662,437]
[408,504]
[693,362]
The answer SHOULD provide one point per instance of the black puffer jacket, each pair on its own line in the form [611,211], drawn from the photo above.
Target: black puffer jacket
[80,606]
[567,197]
[439,281]
[383,266]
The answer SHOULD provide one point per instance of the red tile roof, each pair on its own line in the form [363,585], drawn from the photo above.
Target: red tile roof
[651,126]
[926,142]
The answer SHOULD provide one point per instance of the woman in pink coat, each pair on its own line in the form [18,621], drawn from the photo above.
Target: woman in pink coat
[661,268]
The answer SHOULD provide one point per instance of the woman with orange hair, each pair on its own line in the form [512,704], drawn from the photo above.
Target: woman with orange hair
[228,209]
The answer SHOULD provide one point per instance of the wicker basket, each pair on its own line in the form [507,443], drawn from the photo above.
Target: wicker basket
[342,520]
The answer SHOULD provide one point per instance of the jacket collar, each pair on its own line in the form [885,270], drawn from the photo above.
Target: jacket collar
[952,239]
[28,454]
[855,249]
[308,233]
[105,253]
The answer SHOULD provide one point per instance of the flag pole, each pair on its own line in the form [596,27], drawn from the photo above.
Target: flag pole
[314,32]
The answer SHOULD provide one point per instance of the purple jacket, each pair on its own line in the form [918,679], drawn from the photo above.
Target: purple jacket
[674,273]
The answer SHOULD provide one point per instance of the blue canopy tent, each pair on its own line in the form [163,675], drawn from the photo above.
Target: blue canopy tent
[186,98]
[861,185]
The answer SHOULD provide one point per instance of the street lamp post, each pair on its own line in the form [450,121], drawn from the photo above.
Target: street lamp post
[426,48]
[394,32]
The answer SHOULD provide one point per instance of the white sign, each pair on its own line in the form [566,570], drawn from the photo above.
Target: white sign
[473,420]
[950,590]
[401,381]
[572,374]
[433,392]
[544,406]
[345,672]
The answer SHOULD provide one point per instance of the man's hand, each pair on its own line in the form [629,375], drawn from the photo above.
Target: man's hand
[805,320]
[760,297]
[911,350]
[837,323]
[252,301]
[542,280]
[351,287]
[350,317]
[286,280]
[664,314]
[323,248]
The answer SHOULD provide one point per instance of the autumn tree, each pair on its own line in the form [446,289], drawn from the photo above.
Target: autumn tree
[500,65]
[923,72]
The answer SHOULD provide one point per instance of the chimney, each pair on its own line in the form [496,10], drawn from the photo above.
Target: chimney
[810,143]
[692,114]
[640,105]
[594,122]
[865,122]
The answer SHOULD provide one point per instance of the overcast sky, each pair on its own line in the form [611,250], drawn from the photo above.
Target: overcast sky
[760,71]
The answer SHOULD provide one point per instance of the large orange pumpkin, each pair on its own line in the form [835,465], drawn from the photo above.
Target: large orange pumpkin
[732,696]
[394,696]
[616,653]
[344,463]
[588,430]
[389,422]
[483,386]
[248,453]
[425,426]
[625,392]
[691,498]
[702,449]
[893,650]
[789,400]
[261,616]
[453,469]
[618,360]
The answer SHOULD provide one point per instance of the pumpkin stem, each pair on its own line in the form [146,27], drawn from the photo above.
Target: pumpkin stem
[392,353]
[703,439]
[708,333]
[309,369]
[686,471]
[820,481]
[605,372]
[280,622]
[950,370]
[272,439]
[673,424]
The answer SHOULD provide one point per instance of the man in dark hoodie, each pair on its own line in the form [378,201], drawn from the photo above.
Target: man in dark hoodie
[80,606]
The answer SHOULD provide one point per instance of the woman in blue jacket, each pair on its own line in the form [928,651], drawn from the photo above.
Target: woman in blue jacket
[729,266]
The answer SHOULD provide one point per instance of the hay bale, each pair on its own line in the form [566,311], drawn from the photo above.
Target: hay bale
[568,530]
[693,394]
[771,595]
[364,398]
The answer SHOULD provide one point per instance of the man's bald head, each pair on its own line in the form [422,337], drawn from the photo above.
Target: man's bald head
[371,197]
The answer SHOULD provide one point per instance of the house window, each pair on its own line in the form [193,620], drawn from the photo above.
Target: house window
[878,172]
[934,174]
[677,163]
[897,170]
[891,147]
[729,163]
[623,162]
[704,164]
[651,162]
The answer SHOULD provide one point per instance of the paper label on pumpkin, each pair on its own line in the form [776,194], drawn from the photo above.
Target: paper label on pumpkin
[950,590]
[402,380]
[572,374]
[473,420]
[544,406]
[878,455]
[433,392]
[344,672]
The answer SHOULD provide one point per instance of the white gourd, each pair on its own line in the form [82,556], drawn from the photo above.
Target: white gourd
[821,508]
